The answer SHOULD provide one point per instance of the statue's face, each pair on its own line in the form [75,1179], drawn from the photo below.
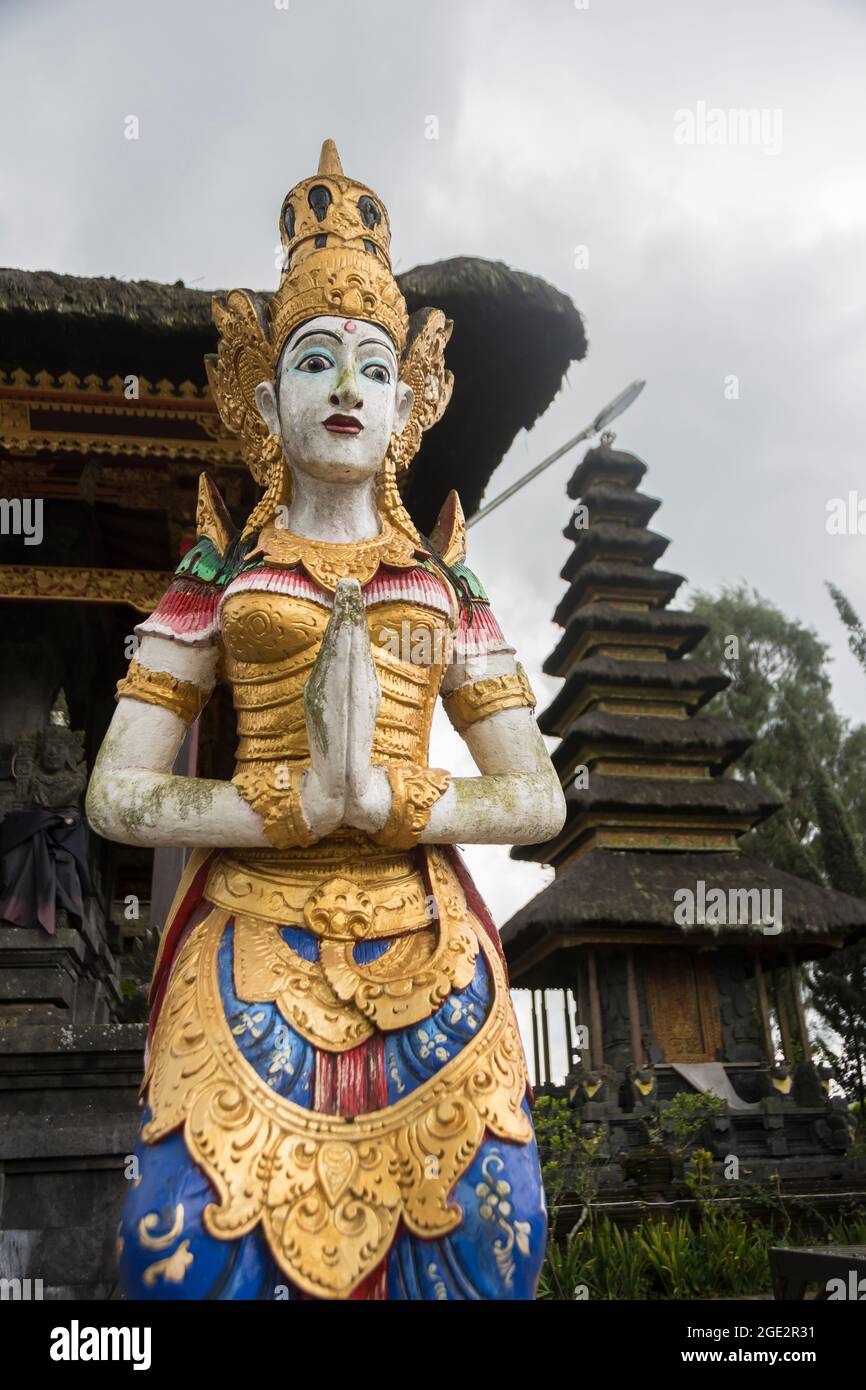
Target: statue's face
[337,398]
[53,757]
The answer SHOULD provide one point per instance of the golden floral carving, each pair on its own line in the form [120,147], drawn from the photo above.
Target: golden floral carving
[244,360]
[414,792]
[411,980]
[328,561]
[141,589]
[394,888]
[340,908]
[274,792]
[266,969]
[423,368]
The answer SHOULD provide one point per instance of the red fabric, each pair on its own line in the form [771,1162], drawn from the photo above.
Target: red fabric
[187,609]
[172,933]
[479,632]
[351,1083]
[475,902]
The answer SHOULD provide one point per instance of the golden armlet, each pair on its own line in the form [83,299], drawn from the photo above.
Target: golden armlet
[414,790]
[469,703]
[183,698]
[278,805]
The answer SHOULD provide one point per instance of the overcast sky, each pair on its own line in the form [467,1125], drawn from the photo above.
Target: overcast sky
[557,128]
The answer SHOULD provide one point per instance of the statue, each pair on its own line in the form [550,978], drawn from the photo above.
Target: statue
[43,850]
[335,1089]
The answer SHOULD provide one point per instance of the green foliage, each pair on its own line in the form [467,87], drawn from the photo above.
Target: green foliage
[779,675]
[688,1113]
[814,760]
[570,1158]
[723,1253]
[720,1250]
[851,619]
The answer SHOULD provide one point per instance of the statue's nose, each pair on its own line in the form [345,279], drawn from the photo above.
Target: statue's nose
[347,393]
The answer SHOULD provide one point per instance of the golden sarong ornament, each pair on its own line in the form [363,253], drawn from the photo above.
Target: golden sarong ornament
[328,1191]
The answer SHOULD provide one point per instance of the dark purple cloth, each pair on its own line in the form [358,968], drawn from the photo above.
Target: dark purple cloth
[43,865]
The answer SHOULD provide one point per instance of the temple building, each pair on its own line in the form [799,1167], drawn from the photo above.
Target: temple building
[669,958]
[106,422]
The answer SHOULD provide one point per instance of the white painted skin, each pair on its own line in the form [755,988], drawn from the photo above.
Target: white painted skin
[329,366]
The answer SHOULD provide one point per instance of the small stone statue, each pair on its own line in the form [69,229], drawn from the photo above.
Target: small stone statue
[48,767]
[43,858]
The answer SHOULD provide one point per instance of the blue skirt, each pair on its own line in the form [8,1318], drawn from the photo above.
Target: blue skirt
[495,1252]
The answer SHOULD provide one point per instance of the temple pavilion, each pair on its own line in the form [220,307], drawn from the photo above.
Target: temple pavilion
[669,958]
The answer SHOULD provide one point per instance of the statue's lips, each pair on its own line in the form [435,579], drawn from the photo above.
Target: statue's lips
[343,424]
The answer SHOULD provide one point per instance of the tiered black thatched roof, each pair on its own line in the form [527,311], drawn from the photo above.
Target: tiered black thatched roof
[514,338]
[622,890]
[650,810]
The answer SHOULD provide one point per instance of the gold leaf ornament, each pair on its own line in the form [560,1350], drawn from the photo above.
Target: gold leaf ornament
[244,360]
[423,368]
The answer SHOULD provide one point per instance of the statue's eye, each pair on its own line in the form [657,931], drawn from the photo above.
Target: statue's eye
[315,362]
[377,371]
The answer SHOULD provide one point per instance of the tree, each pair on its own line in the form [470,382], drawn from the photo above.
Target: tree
[808,755]
[780,685]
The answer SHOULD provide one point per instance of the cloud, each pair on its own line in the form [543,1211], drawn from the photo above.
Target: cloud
[556,129]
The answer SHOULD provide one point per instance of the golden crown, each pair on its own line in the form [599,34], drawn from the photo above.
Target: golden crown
[336,260]
[336,255]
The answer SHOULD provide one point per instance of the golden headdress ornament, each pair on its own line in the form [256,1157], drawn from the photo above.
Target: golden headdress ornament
[336,242]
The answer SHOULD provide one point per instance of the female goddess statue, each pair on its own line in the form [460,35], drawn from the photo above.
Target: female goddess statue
[335,1090]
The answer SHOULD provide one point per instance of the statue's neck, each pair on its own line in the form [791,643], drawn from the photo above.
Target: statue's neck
[336,512]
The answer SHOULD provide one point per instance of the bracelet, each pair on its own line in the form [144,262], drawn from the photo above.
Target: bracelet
[414,791]
[183,698]
[469,703]
[279,807]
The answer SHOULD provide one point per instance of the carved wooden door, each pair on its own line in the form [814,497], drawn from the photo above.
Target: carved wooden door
[684,1005]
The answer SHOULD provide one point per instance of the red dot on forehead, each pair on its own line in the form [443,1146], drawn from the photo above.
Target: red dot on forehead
[350,326]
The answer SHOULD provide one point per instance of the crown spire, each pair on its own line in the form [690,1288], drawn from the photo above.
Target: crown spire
[329,159]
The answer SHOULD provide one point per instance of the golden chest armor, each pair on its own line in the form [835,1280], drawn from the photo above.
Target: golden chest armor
[271,644]
[343,889]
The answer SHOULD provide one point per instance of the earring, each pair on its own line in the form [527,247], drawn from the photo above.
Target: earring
[272,451]
[275,479]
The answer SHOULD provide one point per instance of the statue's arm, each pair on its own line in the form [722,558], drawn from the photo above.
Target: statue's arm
[133,795]
[518,798]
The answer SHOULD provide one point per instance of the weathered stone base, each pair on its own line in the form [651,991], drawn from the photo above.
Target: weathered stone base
[68,1120]
[70,976]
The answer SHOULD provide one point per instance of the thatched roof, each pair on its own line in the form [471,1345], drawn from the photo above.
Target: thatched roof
[689,677]
[514,338]
[600,619]
[721,740]
[633,888]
